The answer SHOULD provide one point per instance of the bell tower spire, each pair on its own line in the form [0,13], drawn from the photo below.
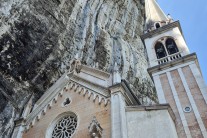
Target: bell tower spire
[155,17]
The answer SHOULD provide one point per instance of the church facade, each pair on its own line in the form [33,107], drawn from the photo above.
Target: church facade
[86,102]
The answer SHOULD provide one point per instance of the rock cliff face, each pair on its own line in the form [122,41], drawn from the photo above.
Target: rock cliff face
[38,38]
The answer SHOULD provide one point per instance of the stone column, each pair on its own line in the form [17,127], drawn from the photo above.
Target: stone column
[118,116]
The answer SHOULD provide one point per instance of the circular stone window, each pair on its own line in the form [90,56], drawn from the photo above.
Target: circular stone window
[187,109]
[65,127]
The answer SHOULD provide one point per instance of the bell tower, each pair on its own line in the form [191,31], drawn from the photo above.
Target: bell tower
[175,72]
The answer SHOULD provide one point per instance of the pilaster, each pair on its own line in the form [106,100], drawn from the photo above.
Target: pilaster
[118,115]
[160,93]
[193,104]
[179,106]
[200,81]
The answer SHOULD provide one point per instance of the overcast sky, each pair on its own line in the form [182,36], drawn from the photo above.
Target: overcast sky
[193,18]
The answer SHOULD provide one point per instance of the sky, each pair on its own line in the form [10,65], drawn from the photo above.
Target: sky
[193,18]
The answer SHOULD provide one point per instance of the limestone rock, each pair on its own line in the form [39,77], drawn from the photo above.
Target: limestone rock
[39,38]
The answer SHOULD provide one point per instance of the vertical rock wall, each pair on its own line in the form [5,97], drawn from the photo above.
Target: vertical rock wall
[38,38]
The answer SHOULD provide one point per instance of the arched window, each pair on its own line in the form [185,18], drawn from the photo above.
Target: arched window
[171,46]
[63,126]
[157,25]
[160,50]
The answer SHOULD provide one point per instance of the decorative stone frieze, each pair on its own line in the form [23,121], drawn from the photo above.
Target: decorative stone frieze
[71,86]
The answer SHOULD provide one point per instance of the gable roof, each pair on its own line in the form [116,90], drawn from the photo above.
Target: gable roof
[87,81]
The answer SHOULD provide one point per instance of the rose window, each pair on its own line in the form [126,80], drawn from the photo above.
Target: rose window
[65,127]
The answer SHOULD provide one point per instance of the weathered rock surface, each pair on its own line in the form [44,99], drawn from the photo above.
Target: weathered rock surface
[38,38]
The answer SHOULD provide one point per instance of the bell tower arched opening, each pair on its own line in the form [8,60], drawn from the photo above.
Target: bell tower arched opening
[160,50]
[171,46]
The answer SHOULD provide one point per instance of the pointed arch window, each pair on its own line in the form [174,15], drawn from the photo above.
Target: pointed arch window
[160,50]
[171,46]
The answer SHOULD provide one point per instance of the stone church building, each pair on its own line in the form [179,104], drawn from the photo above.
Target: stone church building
[87,102]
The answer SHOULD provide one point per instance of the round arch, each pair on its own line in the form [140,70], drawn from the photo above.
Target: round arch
[163,40]
[171,46]
[160,50]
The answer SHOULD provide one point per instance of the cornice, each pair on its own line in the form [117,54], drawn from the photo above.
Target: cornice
[127,93]
[71,86]
[161,30]
[50,99]
[151,108]
[94,71]
[184,59]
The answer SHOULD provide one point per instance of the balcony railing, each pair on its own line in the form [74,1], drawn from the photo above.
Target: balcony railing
[169,58]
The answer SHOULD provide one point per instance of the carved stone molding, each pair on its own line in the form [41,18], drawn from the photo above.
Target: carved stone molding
[37,114]
[95,129]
